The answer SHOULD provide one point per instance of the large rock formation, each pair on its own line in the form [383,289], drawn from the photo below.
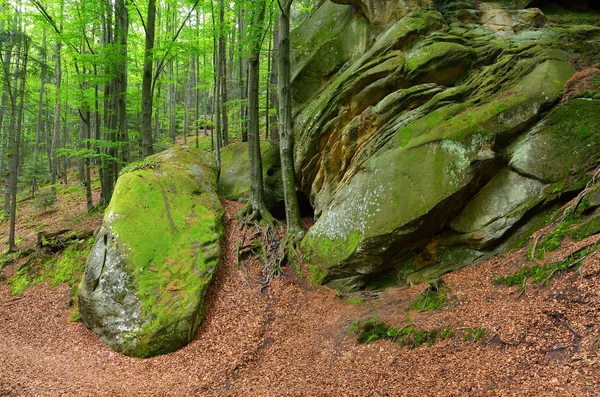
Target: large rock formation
[427,132]
[144,284]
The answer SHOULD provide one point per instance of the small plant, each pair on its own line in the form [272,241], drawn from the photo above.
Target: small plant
[474,334]
[479,334]
[19,282]
[44,200]
[373,330]
[446,333]
[432,298]
[411,336]
[355,300]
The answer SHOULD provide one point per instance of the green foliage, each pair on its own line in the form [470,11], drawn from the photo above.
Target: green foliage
[410,335]
[149,163]
[355,300]
[44,200]
[19,282]
[68,268]
[430,299]
[475,335]
[373,330]
[446,333]
[544,273]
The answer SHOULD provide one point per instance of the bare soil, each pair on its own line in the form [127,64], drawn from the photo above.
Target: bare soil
[292,339]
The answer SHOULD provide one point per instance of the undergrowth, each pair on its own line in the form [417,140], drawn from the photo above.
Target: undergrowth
[410,335]
[544,273]
[432,298]
[67,268]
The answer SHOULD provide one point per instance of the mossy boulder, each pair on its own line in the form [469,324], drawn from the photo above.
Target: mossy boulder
[234,181]
[147,275]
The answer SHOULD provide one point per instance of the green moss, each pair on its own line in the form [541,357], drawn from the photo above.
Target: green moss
[373,330]
[172,244]
[544,273]
[355,300]
[316,274]
[149,163]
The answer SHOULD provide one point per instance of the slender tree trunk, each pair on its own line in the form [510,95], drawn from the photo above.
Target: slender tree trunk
[3,105]
[268,89]
[22,71]
[257,202]
[292,212]
[146,130]
[243,88]
[223,74]
[57,110]
[216,137]
[121,33]
[274,131]
[86,124]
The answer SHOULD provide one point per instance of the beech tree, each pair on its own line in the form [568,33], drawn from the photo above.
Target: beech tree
[256,208]
[295,228]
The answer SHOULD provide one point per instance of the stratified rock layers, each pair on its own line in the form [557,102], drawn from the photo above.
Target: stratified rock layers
[424,141]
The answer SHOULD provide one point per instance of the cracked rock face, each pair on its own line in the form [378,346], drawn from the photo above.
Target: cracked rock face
[146,277]
[428,136]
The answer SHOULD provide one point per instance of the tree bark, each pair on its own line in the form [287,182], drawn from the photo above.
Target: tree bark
[146,128]
[257,203]
[274,130]
[223,74]
[243,87]
[56,130]
[122,31]
[292,212]
[40,120]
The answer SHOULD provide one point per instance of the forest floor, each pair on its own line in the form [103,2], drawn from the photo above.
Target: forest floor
[294,338]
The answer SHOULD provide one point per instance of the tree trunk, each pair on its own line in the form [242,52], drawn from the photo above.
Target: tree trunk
[40,121]
[223,74]
[3,106]
[292,212]
[274,130]
[257,203]
[122,30]
[56,130]
[146,128]
[216,136]
[243,88]
[13,211]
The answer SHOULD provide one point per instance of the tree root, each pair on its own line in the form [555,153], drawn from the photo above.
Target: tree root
[264,242]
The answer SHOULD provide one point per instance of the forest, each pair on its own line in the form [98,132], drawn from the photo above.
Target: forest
[309,197]
[101,86]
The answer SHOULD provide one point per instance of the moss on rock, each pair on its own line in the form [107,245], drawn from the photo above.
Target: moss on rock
[234,181]
[145,281]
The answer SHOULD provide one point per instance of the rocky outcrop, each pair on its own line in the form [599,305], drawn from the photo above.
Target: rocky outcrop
[234,180]
[429,139]
[145,280]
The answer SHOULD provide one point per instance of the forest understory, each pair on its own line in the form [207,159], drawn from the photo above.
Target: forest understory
[295,338]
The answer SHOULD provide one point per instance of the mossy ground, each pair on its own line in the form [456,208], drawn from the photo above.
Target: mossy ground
[65,267]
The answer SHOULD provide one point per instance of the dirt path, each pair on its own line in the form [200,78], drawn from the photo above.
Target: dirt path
[292,340]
